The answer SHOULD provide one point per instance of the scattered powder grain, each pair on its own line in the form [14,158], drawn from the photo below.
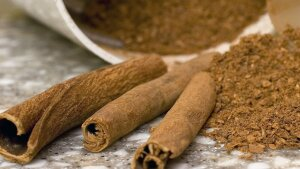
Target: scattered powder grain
[172,26]
[258,88]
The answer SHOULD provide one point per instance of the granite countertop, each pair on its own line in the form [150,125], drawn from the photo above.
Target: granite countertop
[33,57]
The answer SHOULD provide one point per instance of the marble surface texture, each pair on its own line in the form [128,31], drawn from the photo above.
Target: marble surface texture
[32,58]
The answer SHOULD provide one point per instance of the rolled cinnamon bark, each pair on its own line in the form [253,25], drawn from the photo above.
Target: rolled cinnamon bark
[139,105]
[29,126]
[180,126]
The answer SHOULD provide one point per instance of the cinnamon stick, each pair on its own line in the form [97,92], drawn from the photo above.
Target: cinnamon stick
[139,105]
[27,127]
[180,126]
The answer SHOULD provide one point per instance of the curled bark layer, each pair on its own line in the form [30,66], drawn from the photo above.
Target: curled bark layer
[180,126]
[29,126]
[139,105]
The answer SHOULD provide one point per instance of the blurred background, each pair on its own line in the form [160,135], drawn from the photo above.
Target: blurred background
[33,57]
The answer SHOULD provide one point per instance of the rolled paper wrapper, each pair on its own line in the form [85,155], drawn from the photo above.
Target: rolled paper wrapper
[180,126]
[29,126]
[139,105]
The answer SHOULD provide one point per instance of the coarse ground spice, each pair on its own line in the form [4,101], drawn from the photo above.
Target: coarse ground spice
[258,88]
[171,26]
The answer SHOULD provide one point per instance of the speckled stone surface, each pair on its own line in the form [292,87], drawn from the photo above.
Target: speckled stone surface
[32,58]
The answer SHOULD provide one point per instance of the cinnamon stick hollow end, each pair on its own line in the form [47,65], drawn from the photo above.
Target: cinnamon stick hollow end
[27,127]
[151,156]
[180,125]
[11,137]
[97,134]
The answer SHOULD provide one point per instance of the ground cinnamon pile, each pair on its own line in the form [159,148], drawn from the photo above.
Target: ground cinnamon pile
[258,88]
[172,26]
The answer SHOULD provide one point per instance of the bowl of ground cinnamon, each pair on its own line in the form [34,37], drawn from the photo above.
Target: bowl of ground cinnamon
[116,30]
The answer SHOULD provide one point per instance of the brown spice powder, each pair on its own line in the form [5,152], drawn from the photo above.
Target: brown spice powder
[258,88]
[172,26]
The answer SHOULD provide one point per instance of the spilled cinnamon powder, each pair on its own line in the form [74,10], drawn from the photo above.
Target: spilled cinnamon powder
[258,88]
[171,26]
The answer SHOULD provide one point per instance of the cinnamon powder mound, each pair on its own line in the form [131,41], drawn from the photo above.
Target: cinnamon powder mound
[172,26]
[258,88]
